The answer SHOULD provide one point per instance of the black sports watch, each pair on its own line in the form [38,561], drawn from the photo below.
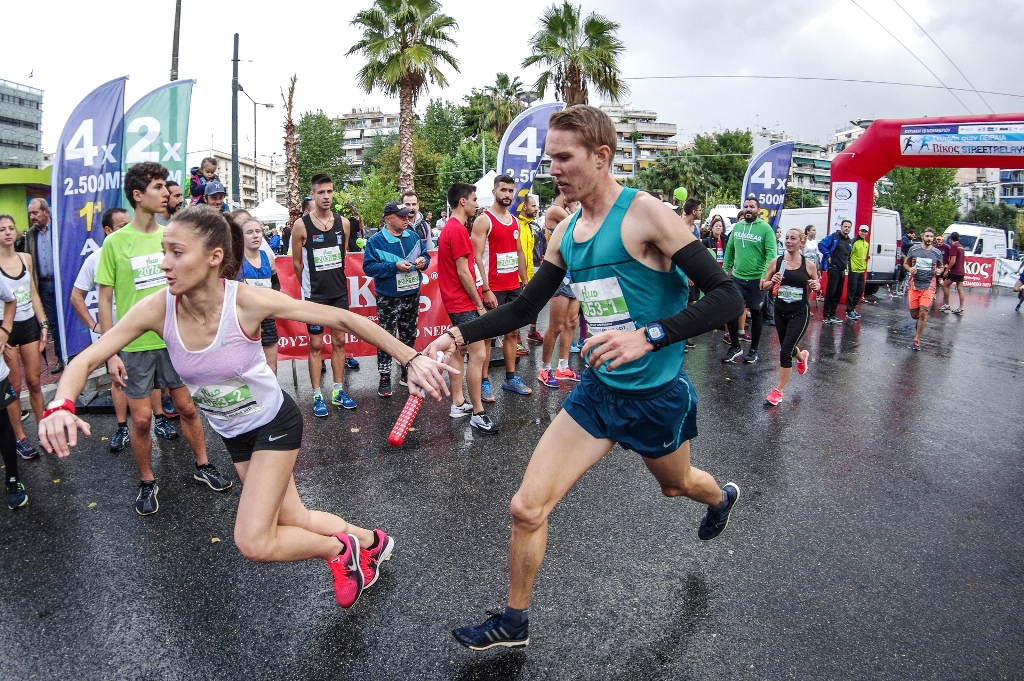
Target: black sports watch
[655,335]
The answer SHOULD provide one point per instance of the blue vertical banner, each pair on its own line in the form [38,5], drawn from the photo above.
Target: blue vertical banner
[766,178]
[522,147]
[86,181]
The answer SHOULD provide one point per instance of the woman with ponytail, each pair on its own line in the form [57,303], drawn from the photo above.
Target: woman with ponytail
[211,326]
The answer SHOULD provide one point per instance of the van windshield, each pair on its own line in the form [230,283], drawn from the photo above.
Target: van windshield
[968,242]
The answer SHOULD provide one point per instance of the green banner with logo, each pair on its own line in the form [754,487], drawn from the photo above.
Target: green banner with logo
[156,129]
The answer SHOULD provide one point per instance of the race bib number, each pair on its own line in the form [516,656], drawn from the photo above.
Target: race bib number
[408,281]
[604,306]
[924,264]
[327,258]
[146,271]
[791,294]
[479,279]
[23,298]
[259,283]
[226,400]
[508,262]
[719,255]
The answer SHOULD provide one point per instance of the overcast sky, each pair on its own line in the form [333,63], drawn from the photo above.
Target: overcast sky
[71,47]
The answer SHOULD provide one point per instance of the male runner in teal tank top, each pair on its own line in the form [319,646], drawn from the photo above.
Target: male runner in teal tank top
[629,260]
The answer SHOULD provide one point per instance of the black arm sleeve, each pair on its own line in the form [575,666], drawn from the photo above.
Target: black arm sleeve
[721,303]
[522,310]
[275,283]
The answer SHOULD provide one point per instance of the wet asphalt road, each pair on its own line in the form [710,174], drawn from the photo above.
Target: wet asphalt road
[878,535]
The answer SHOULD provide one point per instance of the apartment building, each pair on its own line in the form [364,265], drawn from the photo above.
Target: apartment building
[641,138]
[845,136]
[256,183]
[21,130]
[361,126]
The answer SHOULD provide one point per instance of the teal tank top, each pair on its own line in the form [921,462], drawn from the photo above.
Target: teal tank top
[618,292]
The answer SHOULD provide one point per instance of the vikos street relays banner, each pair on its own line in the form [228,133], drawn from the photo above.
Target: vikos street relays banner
[979,139]
[293,340]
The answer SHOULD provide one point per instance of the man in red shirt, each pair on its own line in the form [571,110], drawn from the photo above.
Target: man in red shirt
[502,265]
[457,279]
[954,272]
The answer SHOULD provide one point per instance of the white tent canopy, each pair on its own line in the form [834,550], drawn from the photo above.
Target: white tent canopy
[485,190]
[270,211]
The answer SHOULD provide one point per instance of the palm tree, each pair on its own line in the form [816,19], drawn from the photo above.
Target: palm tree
[404,43]
[502,105]
[577,52]
[291,165]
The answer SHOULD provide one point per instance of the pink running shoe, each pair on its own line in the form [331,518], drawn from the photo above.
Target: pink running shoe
[370,559]
[547,377]
[348,578]
[567,374]
[801,366]
[774,397]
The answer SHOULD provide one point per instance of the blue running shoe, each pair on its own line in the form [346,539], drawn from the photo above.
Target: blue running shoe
[121,439]
[25,449]
[577,345]
[351,363]
[485,391]
[167,405]
[717,519]
[340,399]
[493,632]
[165,429]
[319,408]
[547,377]
[516,385]
[16,497]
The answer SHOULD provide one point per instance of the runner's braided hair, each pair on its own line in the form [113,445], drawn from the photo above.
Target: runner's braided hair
[216,231]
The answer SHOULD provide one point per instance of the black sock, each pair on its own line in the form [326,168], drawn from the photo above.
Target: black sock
[480,414]
[374,544]
[122,424]
[509,375]
[516,618]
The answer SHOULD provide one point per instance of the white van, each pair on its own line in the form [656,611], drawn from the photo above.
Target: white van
[886,232]
[979,240]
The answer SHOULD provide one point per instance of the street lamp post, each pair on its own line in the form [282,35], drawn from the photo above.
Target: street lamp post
[255,170]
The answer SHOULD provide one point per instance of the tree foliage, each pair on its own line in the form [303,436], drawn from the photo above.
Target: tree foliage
[996,215]
[426,161]
[501,105]
[798,197]
[404,42]
[371,195]
[922,196]
[444,126]
[319,149]
[465,164]
[577,52]
[725,155]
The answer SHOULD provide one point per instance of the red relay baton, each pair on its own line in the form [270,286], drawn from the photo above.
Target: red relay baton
[408,415]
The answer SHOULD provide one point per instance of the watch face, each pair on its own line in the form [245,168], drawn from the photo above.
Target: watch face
[655,332]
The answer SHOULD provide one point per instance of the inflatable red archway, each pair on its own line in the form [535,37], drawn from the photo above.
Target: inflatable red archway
[995,141]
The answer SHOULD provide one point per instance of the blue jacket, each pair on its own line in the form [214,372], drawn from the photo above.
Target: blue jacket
[381,255]
[828,245]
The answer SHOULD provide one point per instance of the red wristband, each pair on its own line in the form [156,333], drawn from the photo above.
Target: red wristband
[59,405]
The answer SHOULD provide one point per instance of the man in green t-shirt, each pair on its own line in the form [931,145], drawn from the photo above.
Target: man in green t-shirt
[752,245]
[128,271]
[855,278]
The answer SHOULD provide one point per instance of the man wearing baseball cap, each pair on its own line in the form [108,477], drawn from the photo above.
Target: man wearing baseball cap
[394,257]
[215,194]
[855,278]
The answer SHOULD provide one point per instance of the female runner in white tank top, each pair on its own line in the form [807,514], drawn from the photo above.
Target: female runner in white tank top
[211,325]
[28,337]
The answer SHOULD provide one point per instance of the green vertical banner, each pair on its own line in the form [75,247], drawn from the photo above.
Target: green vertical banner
[156,129]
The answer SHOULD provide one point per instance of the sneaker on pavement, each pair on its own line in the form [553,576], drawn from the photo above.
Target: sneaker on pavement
[384,387]
[403,380]
[916,345]
[352,362]
[483,423]
[547,377]
[211,476]
[493,632]
[16,497]
[486,394]
[319,408]
[745,337]
[958,312]
[146,503]
[121,439]
[750,357]
[774,397]
[944,308]
[340,399]
[521,350]
[769,322]
[690,345]
[167,405]
[851,316]
[164,429]
[717,519]
[370,559]
[516,385]
[577,345]
[732,354]
[727,339]
[345,568]
[25,449]
[801,364]
[464,409]
[535,337]
[567,374]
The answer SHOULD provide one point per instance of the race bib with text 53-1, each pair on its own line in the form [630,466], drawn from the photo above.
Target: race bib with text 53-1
[604,306]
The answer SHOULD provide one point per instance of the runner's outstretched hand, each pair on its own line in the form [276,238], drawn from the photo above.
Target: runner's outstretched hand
[58,432]
[425,373]
[615,347]
[443,343]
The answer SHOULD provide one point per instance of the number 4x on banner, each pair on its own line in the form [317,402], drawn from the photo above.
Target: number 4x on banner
[522,147]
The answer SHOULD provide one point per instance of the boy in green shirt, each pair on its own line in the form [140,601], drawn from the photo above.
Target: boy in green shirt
[128,271]
[752,245]
[855,278]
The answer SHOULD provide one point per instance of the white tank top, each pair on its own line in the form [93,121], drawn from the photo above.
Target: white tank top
[21,288]
[229,380]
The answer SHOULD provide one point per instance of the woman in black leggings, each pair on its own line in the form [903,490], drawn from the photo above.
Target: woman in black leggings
[790,277]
